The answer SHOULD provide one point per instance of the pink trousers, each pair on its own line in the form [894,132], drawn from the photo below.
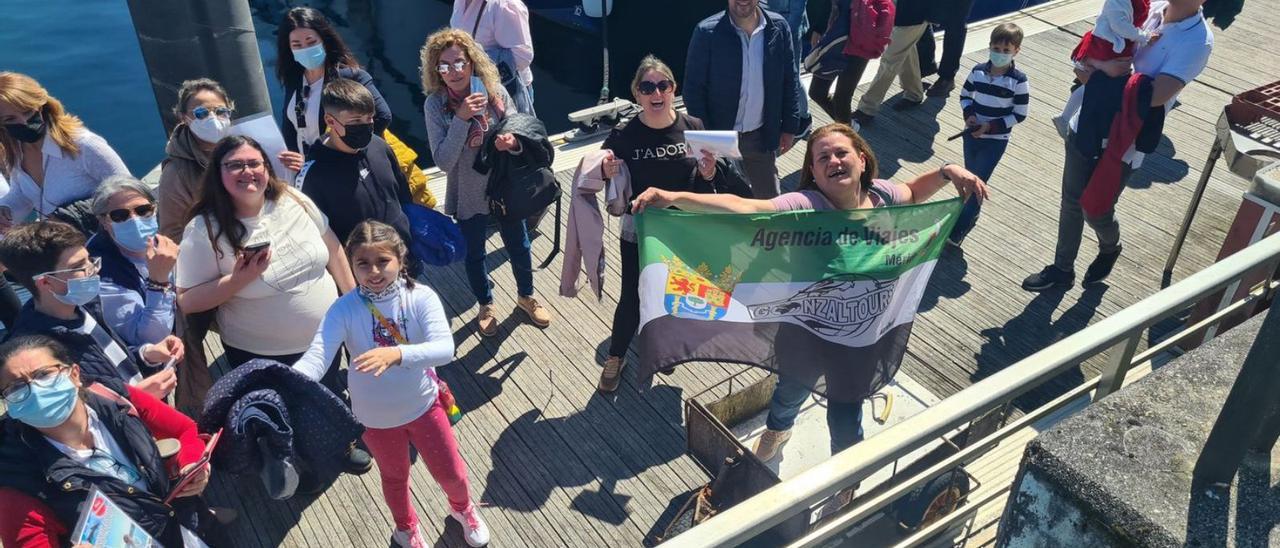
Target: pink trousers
[432,435]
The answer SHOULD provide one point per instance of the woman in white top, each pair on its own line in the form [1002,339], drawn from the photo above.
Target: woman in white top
[50,158]
[310,52]
[272,272]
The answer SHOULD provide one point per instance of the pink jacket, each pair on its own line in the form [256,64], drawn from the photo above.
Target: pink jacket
[870,22]
[584,246]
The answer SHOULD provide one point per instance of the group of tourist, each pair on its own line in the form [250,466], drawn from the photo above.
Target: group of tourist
[114,267]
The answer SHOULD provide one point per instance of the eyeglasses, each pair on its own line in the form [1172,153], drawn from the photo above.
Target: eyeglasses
[123,214]
[43,377]
[238,166]
[300,107]
[202,112]
[456,66]
[101,461]
[647,88]
[95,264]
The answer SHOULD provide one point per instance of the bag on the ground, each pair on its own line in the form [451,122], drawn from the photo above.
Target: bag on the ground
[434,237]
[407,158]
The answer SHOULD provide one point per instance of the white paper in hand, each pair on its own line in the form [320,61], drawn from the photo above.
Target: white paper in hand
[262,127]
[724,144]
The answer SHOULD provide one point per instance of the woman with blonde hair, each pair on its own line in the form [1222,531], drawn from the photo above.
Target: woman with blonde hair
[50,158]
[458,115]
[652,148]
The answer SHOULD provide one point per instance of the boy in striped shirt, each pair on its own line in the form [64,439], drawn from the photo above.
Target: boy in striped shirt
[994,98]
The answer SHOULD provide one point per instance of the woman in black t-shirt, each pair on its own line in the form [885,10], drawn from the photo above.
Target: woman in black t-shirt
[653,148]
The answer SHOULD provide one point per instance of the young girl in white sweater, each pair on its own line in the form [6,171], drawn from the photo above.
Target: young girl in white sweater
[398,333]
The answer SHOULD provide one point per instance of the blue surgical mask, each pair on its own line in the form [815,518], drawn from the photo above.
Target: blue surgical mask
[47,406]
[1001,59]
[134,233]
[80,291]
[311,57]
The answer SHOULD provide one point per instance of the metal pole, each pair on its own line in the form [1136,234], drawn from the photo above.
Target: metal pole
[604,40]
[211,39]
[1249,412]
[1214,153]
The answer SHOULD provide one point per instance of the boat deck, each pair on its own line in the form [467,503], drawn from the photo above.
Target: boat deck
[554,463]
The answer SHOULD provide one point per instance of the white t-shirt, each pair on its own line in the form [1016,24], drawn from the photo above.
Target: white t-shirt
[403,392]
[278,313]
[310,134]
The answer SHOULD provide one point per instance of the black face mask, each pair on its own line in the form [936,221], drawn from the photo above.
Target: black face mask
[31,131]
[358,135]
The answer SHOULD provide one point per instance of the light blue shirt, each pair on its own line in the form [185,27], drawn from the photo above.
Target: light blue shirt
[751,99]
[138,319]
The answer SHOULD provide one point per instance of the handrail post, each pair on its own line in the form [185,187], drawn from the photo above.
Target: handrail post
[1119,360]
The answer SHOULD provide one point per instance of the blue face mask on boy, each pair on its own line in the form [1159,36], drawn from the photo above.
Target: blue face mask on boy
[1001,59]
[134,233]
[48,405]
[80,291]
[310,57]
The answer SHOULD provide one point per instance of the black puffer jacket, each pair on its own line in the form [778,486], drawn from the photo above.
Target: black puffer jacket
[30,464]
[322,427]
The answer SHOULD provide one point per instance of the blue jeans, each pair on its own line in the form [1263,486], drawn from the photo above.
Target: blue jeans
[844,420]
[514,238]
[797,20]
[980,157]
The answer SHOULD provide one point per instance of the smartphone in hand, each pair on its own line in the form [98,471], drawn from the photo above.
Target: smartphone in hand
[477,86]
[254,249]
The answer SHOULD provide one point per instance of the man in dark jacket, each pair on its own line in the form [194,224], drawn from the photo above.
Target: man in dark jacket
[351,174]
[759,95]
[49,259]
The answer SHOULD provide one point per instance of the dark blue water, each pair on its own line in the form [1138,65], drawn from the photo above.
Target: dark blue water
[85,52]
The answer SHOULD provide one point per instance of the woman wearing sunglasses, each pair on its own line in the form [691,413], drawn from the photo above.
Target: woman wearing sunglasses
[137,263]
[204,115]
[464,99]
[652,147]
[310,52]
[63,437]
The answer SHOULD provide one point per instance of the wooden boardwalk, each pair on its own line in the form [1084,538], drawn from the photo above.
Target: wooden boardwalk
[556,464]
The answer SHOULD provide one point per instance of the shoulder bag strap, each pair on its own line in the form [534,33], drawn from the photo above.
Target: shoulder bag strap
[479,14]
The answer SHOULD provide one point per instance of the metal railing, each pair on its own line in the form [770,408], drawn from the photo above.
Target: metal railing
[1117,336]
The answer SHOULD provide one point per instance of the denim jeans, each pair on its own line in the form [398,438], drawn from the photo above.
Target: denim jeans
[515,238]
[797,20]
[844,420]
[980,157]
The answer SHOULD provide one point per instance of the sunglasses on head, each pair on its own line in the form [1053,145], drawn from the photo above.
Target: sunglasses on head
[456,66]
[647,88]
[123,214]
[203,112]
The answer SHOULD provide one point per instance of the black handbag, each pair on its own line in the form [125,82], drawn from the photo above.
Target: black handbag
[524,192]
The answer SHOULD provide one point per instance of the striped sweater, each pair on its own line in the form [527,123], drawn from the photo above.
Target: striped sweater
[1001,99]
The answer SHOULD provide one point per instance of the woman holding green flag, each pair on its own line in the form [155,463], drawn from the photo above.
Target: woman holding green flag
[839,173]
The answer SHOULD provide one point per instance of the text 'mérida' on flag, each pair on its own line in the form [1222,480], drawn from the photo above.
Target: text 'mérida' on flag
[826,297]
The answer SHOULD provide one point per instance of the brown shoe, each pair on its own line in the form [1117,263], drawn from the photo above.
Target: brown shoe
[612,374]
[487,321]
[537,314]
[770,442]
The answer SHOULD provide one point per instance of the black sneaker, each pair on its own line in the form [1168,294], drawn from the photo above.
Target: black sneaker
[1048,278]
[1100,268]
[358,461]
[862,118]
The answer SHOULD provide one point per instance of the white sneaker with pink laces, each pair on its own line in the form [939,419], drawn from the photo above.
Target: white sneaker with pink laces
[409,539]
[474,529]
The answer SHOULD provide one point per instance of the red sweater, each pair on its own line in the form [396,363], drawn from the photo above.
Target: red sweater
[28,523]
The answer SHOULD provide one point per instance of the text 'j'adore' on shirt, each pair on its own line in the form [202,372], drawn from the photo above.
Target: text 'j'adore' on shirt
[278,313]
[656,157]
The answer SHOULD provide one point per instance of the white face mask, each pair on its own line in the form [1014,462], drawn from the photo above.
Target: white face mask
[211,129]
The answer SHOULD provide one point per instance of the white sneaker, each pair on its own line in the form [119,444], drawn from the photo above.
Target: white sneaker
[474,529]
[409,539]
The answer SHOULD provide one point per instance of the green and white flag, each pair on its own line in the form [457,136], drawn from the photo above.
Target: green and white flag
[828,297]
